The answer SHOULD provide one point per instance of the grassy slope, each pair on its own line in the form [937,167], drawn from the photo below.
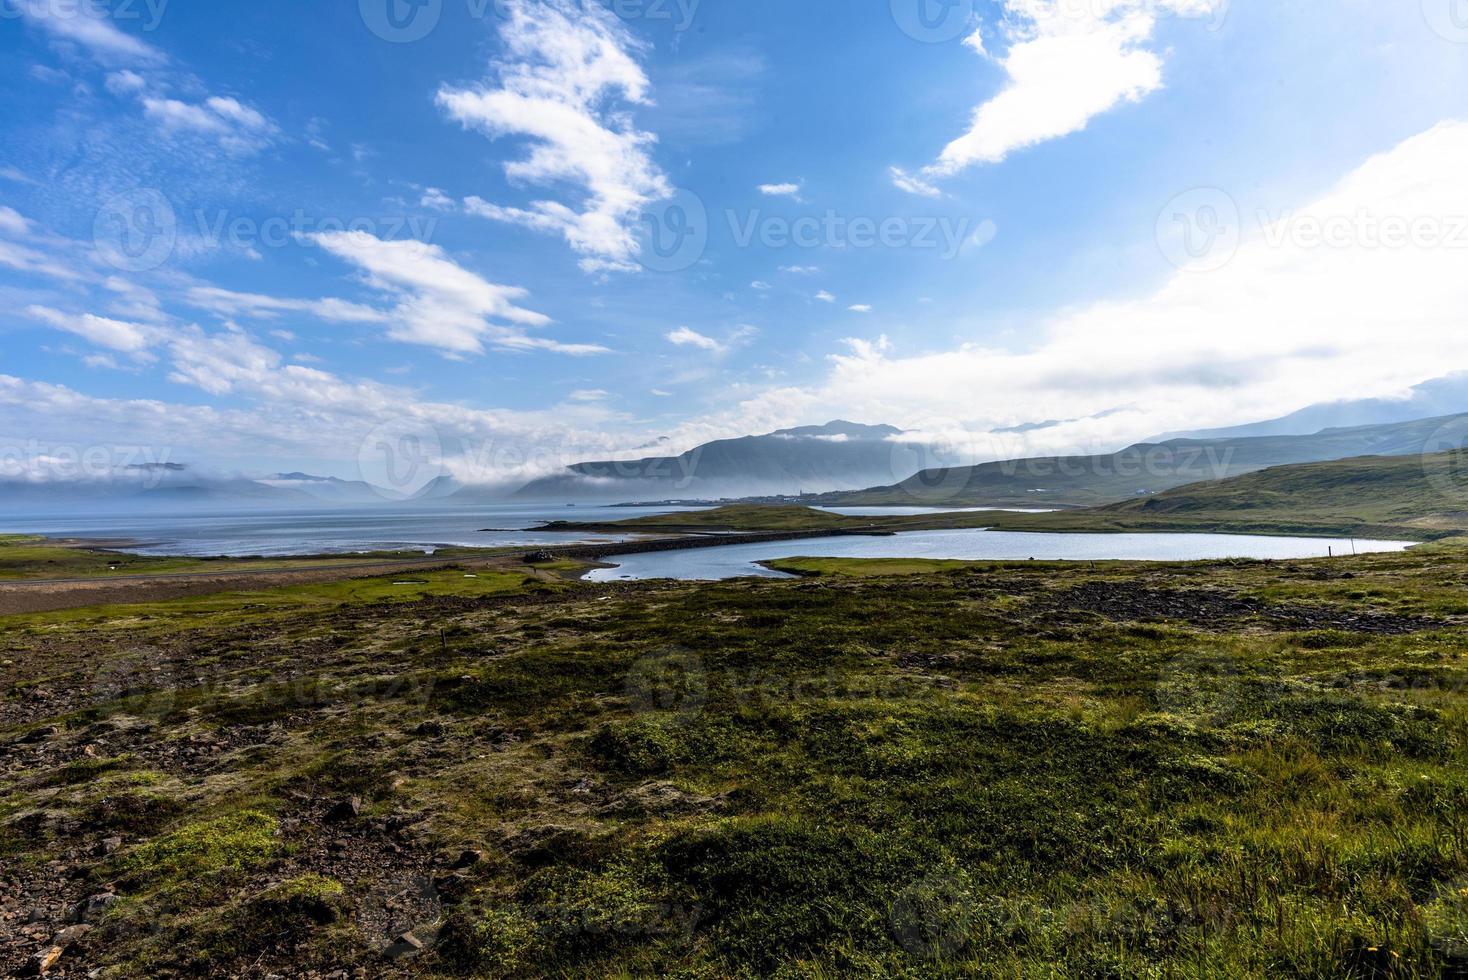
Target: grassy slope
[976,772]
[1410,497]
[1088,481]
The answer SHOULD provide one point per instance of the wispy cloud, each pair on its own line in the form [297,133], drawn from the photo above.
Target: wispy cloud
[441,304]
[912,183]
[571,71]
[88,25]
[130,338]
[688,337]
[780,190]
[12,223]
[237,127]
[228,303]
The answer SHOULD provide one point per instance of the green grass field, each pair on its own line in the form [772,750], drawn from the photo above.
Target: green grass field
[1227,769]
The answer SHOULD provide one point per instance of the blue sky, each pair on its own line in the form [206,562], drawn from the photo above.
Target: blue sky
[255,237]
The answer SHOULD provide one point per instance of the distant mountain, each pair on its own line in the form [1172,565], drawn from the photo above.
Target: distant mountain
[837,456]
[327,489]
[1440,397]
[446,487]
[1150,468]
[160,489]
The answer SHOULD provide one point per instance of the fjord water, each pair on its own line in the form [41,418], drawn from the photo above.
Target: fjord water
[278,534]
[736,561]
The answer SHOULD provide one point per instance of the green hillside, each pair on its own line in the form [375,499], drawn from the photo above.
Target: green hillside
[1150,468]
[1394,496]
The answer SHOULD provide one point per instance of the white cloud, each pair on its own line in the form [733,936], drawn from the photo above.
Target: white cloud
[912,184]
[1066,64]
[740,336]
[588,395]
[760,285]
[316,134]
[437,200]
[1287,323]
[800,270]
[227,303]
[860,308]
[29,260]
[137,302]
[87,24]
[102,362]
[130,338]
[571,67]
[125,82]
[237,127]
[11,222]
[48,75]
[780,190]
[686,337]
[441,304]
[825,297]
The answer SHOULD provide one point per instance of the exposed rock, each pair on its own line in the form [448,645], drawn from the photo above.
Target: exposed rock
[40,735]
[109,845]
[404,946]
[42,962]
[92,909]
[348,809]
[467,860]
[45,959]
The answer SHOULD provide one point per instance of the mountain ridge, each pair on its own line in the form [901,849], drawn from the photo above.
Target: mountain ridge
[1145,469]
[840,453]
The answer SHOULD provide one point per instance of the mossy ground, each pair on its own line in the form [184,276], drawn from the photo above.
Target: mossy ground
[1009,770]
